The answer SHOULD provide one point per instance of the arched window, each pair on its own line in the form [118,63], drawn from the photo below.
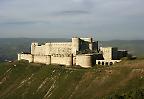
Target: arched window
[111,63]
[102,63]
[106,63]
[99,62]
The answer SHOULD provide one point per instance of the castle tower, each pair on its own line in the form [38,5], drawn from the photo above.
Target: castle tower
[85,60]
[33,45]
[109,53]
[75,45]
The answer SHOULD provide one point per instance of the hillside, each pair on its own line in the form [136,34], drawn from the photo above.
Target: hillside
[21,80]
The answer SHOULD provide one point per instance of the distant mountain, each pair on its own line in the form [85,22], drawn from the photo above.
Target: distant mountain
[135,47]
[9,47]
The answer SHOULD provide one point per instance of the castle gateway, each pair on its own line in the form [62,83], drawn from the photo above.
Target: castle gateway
[80,51]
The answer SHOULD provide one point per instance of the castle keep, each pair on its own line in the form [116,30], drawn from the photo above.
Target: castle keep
[80,51]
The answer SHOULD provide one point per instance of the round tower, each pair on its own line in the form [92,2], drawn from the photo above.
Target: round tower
[75,45]
[84,60]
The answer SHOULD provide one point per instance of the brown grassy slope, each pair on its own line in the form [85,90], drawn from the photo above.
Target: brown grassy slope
[125,76]
[35,81]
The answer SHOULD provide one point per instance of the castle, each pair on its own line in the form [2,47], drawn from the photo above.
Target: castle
[83,52]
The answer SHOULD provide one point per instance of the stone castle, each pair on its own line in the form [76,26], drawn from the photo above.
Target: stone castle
[82,52]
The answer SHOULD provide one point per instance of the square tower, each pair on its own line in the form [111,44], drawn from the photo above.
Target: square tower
[109,53]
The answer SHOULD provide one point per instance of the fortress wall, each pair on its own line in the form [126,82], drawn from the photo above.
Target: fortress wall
[45,59]
[84,60]
[28,57]
[52,48]
[62,60]
[39,50]
[58,48]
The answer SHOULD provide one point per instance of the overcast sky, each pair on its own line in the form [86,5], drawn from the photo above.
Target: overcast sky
[103,19]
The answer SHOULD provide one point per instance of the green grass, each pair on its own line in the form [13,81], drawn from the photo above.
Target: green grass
[36,81]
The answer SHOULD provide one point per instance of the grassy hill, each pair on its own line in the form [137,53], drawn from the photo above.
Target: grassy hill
[21,80]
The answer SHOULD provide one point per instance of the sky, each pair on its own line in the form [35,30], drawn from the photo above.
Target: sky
[101,19]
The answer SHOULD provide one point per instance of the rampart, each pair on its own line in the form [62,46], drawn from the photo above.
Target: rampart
[47,59]
[81,51]
[62,60]
[51,48]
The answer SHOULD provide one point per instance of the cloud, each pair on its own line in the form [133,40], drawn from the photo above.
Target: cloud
[67,16]
[22,22]
[72,12]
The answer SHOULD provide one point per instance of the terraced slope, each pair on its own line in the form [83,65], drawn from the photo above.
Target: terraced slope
[21,80]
